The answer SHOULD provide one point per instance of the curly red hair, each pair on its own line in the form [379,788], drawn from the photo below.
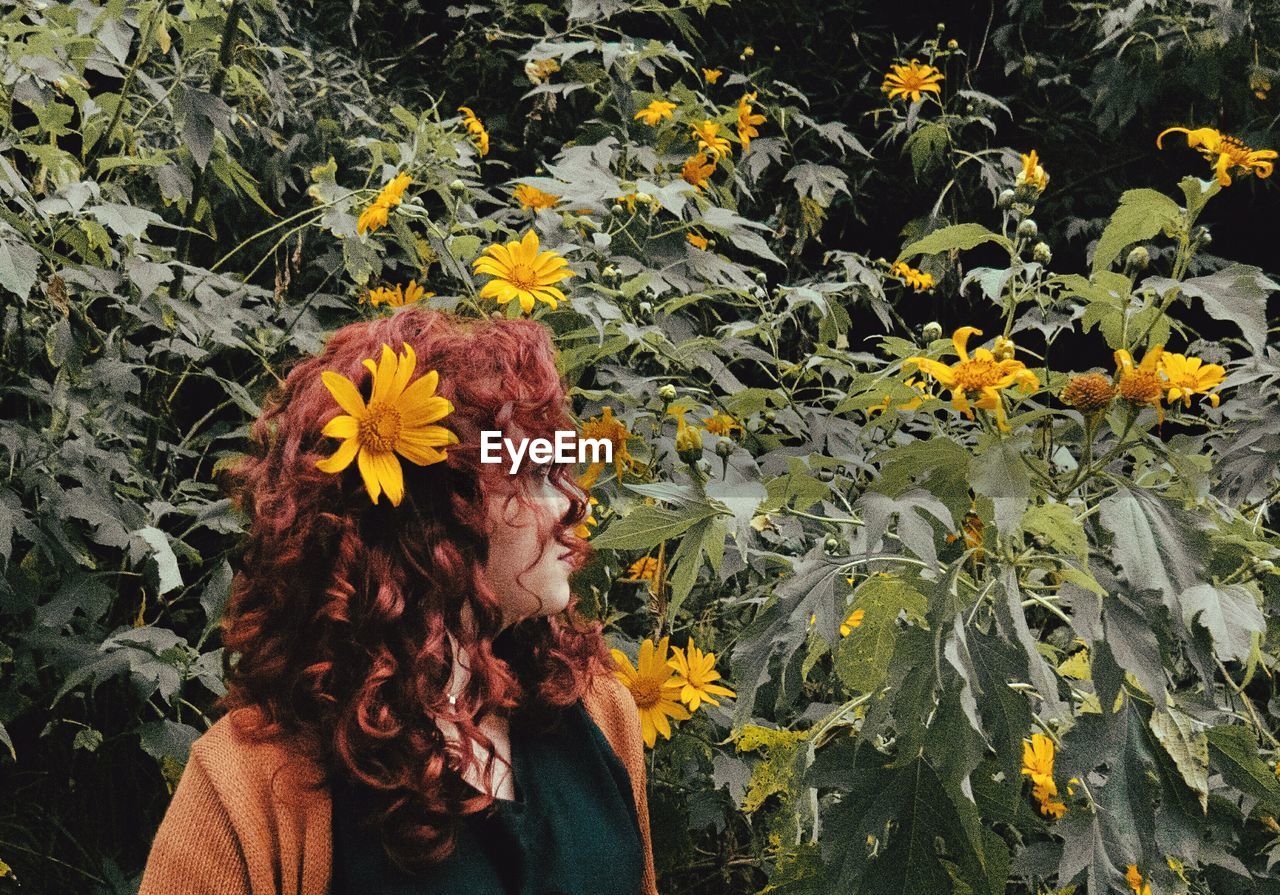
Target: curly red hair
[342,611]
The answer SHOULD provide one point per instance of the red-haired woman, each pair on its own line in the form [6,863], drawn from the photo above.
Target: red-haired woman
[414,706]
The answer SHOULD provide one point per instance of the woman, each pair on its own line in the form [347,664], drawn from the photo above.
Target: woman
[415,707]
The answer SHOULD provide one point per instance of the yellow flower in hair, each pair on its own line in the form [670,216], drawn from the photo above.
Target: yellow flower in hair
[521,271]
[581,530]
[397,420]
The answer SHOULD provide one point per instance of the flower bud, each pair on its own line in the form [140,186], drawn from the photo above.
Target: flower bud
[646,308]
[769,416]
[1137,261]
[457,185]
[1027,228]
[644,198]
[1201,236]
[1004,348]
[932,331]
[761,278]
[724,447]
[609,272]
[953,44]
[748,52]
[825,475]
[1041,253]
[1006,198]
[831,544]
[616,208]
[667,393]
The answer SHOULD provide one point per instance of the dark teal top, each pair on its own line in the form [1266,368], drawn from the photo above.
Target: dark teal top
[571,830]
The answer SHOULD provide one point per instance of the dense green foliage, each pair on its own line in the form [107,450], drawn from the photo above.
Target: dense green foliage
[180,185]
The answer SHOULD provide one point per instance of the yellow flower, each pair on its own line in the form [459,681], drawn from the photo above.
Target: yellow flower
[395,421]
[747,120]
[539,70]
[1088,392]
[697,241]
[522,272]
[1136,882]
[375,215]
[917,280]
[980,377]
[697,170]
[854,620]
[1032,173]
[911,80]
[581,530]
[532,197]
[643,569]
[476,129]
[1141,384]
[1190,376]
[606,428]
[656,695]
[688,438]
[971,530]
[709,140]
[1225,153]
[629,200]
[712,74]
[657,110]
[722,424]
[396,296]
[1037,763]
[696,673]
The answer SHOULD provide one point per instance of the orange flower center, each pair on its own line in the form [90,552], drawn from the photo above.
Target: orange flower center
[646,692]
[1141,386]
[976,374]
[380,428]
[523,277]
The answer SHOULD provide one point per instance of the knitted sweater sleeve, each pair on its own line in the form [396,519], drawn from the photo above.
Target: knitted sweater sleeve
[196,850]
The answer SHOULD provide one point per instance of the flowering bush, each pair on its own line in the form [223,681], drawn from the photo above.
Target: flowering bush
[987,606]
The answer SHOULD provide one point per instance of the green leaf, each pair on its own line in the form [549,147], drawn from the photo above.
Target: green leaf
[1056,523]
[648,526]
[685,563]
[1230,613]
[18,265]
[165,738]
[1236,294]
[862,658]
[1158,544]
[1233,753]
[997,471]
[956,236]
[170,576]
[1183,737]
[1142,214]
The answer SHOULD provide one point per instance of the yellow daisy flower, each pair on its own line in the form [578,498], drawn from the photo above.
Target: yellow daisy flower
[1141,384]
[397,296]
[643,569]
[1225,152]
[697,241]
[917,280]
[712,74]
[521,271]
[375,215]
[605,428]
[532,197]
[911,80]
[980,377]
[397,420]
[722,424]
[656,695]
[1037,763]
[1032,173]
[696,672]
[657,110]
[709,139]
[747,120]
[1190,376]
[697,170]
[476,129]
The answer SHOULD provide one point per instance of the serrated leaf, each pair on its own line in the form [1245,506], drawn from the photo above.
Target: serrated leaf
[862,658]
[1230,613]
[956,236]
[1141,215]
[1236,294]
[648,526]
[1184,739]
[1233,753]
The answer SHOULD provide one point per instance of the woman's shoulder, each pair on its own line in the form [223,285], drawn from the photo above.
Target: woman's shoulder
[247,769]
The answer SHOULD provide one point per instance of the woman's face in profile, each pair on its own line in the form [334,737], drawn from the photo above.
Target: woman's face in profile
[527,568]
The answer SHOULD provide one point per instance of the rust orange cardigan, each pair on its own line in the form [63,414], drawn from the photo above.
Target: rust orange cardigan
[243,822]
